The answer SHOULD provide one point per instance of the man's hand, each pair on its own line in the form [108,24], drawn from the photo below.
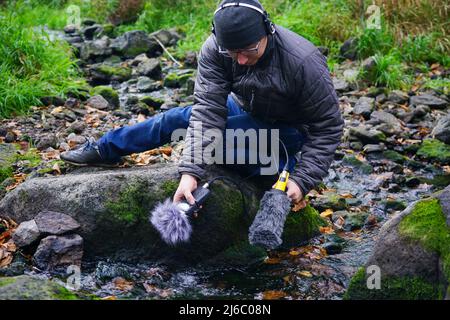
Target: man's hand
[295,194]
[187,185]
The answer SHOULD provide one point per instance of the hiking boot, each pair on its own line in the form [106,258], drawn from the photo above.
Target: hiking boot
[86,155]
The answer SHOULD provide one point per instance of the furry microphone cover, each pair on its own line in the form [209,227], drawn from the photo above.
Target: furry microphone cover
[172,223]
[268,226]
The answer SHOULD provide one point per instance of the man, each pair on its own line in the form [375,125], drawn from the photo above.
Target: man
[251,75]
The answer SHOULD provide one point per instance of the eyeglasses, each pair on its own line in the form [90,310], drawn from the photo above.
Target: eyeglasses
[245,52]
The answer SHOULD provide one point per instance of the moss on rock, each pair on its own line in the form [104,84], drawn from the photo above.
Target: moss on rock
[173,80]
[108,93]
[427,224]
[132,204]
[395,156]
[118,73]
[301,226]
[358,164]
[242,253]
[391,288]
[433,149]
[25,287]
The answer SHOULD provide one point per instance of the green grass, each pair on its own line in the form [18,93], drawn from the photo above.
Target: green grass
[32,67]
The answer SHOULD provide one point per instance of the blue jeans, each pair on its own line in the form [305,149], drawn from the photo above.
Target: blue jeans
[157,131]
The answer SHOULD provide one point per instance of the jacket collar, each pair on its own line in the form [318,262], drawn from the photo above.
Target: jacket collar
[268,53]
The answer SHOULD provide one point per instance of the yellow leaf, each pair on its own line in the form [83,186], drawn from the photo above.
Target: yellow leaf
[327,213]
[294,252]
[109,298]
[305,273]
[57,110]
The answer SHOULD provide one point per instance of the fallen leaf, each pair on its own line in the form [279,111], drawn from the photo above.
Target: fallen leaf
[109,298]
[273,295]
[326,230]
[327,213]
[50,155]
[57,110]
[56,168]
[163,293]
[305,273]
[122,284]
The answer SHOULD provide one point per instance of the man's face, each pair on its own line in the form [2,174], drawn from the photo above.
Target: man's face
[250,55]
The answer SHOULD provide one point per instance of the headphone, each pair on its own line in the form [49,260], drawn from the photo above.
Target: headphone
[270,27]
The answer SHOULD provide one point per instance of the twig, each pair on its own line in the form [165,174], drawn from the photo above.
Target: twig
[166,51]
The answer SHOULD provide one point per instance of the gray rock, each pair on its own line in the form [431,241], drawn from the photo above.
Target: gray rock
[52,100]
[7,153]
[364,106]
[77,127]
[150,68]
[389,124]
[369,148]
[367,136]
[348,49]
[132,43]
[112,209]
[72,103]
[332,247]
[428,100]
[95,48]
[400,257]
[190,59]
[441,130]
[421,110]
[368,64]
[26,233]
[10,137]
[145,84]
[55,223]
[58,251]
[167,37]
[91,32]
[47,141]
[88,22]
[106,72]
[398,97]
[70,29]
[98,102]
[340,84]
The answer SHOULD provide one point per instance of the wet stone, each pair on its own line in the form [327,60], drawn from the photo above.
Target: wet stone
[51,222]
[26,233]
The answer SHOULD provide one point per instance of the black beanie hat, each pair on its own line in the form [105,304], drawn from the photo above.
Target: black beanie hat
[239,27]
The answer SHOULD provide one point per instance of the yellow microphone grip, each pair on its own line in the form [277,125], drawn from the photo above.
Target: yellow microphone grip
[282,181]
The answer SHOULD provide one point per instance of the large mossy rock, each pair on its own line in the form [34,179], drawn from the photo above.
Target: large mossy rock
[412,252]
[112,208]
[30,288]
